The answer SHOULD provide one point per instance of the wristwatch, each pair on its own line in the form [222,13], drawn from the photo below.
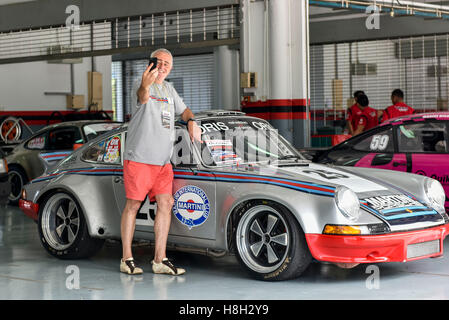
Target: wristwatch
[190,119]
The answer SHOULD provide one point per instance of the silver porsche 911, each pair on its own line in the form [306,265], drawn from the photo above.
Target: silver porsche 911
[245,190]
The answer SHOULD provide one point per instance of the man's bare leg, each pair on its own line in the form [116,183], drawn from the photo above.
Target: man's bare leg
[162,225]
[128,224]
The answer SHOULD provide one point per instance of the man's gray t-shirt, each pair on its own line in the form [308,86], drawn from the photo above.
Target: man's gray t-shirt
[151,128]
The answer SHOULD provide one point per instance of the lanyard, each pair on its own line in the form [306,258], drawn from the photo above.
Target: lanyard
[159,92]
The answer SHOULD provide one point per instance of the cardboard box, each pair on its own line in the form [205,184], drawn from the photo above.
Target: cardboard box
[337,93]
[442,105]
[248,80]
[94,86]
[75,101]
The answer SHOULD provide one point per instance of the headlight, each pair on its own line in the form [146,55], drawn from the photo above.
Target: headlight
[347,202]
[435,193]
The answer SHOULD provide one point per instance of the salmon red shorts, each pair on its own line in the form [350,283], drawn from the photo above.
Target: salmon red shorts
[142,179]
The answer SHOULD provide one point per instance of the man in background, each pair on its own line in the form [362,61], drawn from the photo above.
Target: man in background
[399,108]
[353,114]
[368,119]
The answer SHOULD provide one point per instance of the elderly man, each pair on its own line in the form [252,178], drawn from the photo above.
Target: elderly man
[147,169]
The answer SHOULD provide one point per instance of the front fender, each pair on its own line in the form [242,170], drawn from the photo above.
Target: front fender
[404,181]
[311,211]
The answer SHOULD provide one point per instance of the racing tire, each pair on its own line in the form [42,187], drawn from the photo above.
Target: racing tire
[269,242]
[17,178]
[63,229]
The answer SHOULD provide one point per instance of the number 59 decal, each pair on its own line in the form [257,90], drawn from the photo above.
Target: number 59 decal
[379,142]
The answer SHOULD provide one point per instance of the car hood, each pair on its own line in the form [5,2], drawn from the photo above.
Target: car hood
[323,175]
[400,209]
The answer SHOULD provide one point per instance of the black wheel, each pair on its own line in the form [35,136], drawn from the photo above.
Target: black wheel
[270,243]
[63,229]
[17,178]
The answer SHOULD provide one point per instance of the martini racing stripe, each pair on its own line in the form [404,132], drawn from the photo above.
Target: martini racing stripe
[245,178]
[202,175]
[405,214]
[54,156]
[387,211]
[85,171]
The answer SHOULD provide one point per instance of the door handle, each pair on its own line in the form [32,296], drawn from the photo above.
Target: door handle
[397,164]
[118,180]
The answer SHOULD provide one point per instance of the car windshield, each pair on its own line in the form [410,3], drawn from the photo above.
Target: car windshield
[232,141]
[94,130]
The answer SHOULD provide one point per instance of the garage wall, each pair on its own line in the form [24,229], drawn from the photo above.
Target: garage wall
[23,85]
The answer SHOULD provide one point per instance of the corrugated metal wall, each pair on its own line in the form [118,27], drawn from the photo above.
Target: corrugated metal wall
[416,65]
[192,77]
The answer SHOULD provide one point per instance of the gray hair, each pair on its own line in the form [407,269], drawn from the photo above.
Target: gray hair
[161,50]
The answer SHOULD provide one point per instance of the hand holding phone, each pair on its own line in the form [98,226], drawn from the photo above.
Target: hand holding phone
[154,62]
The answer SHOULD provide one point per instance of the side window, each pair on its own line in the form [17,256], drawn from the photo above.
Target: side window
[429,137]
[382,141]
[106,152]
[37,143]
[182,150]
[63,138]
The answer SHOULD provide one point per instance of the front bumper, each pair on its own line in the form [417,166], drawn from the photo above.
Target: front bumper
[391,247]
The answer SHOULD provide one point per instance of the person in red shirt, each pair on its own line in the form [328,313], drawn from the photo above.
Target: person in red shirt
[368,119]
[353,114]
[399,108]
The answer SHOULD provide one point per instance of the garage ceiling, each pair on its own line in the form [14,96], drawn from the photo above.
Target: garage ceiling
[321,10]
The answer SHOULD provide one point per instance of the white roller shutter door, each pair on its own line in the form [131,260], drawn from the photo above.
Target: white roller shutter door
[192,76]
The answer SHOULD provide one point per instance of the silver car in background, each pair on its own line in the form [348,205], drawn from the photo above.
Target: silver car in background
[45,148]
[243,190]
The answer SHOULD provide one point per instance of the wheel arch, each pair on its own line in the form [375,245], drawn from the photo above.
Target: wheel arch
[240,205]
[20,167]
[49,192]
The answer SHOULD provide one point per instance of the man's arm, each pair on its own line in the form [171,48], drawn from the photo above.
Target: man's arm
[192,126]
[349,126]
[360,126]
[148,77]
[187,114]
[359,129]
[349,121]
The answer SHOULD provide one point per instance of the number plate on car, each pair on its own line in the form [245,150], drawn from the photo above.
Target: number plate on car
[423,249]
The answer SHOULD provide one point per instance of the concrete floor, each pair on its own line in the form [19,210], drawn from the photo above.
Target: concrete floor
[28,272]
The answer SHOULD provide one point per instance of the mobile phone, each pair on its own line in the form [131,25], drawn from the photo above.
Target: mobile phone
[154,61]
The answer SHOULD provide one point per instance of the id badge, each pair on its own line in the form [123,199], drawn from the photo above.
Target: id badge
[166,118]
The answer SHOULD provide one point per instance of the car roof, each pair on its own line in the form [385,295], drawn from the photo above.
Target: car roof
[441,115]
[216,113]
[77,123]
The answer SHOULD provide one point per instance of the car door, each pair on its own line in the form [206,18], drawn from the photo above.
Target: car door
[425,143]
[380,152]
[193,209]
